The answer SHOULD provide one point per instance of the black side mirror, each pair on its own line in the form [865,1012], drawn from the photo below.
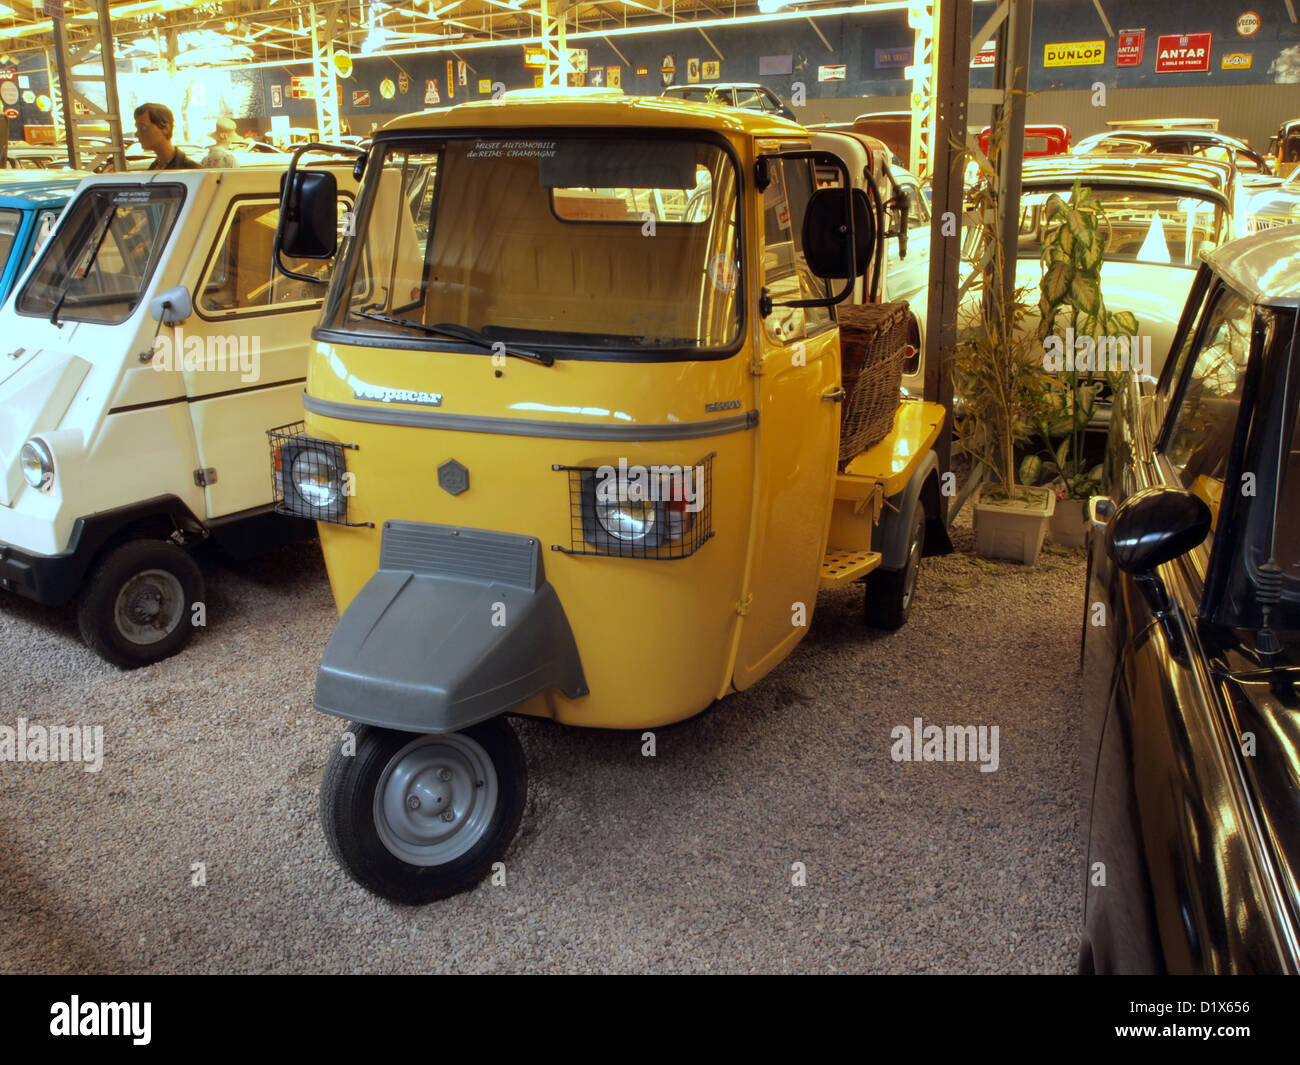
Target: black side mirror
[826,233]
[1155,526]
[309,214]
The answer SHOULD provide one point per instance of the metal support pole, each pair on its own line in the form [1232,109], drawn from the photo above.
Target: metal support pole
[65,91]
[109,66]
[1011,75]
[952,85]
[322,68]
[922,72]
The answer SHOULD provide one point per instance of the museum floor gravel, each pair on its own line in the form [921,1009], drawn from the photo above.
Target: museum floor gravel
[693,860]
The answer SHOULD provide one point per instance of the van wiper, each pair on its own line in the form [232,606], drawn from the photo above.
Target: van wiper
[83,271]
[459,332]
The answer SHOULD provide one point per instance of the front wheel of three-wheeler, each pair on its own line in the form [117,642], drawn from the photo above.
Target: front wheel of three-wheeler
[890,593]
[416,818]
[137,606]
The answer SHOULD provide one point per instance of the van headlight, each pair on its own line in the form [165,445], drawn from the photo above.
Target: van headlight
[639,511]
[627,520]
[317,478]
[37,464]
[310,476]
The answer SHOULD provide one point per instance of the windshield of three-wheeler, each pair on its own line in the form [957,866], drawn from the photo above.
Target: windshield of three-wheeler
[1139,225]
[555,241]
[96,265]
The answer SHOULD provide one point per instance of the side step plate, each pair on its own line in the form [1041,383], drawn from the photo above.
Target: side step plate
[842,567]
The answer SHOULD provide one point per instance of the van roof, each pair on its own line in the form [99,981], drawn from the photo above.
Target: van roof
[556,107]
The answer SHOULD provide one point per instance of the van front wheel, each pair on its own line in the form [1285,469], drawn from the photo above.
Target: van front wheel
[416,818]
[136,607]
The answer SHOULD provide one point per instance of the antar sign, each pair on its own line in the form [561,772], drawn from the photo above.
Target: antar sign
[1183,52]
[1130,48]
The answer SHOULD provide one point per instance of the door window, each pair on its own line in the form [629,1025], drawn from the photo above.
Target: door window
[1204,416]
[241,278]
[785,273]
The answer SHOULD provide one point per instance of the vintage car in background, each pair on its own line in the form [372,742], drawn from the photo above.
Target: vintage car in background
[145,351]
[1198,143]
[1284,148]
[19,155]
[1278,205]
[1039,140]
[748,96]
[1191,640]
[1160,213]
[30,205]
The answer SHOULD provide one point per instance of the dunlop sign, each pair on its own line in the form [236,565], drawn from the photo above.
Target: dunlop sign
[1074,54]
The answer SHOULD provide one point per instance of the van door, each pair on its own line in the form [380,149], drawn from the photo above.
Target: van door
[244,352]
[797,438]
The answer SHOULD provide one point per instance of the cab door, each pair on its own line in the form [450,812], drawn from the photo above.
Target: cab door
[245,351]
[797,436]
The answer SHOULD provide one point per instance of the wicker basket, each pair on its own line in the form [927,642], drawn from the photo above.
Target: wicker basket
[873,343]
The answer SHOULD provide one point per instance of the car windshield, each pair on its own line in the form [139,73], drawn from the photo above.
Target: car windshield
[615,244]
[99,260]
[1140,225]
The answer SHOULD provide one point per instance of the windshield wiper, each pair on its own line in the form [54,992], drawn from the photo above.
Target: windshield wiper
[460,332]
[84,271]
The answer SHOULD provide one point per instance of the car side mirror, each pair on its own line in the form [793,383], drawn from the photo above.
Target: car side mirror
[172,306]
[309,214]
[826,233]
[1155,526]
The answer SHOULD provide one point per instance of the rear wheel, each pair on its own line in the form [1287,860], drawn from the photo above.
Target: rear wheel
[135,609]
[890,593]
[416,818]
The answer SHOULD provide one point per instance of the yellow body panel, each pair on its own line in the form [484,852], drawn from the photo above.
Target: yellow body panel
[893,460]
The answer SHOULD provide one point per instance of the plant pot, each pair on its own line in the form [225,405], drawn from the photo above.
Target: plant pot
[1069,524]
[1013,529]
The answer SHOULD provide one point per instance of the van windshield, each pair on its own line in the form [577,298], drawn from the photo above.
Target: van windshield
[96,265]
[581,245]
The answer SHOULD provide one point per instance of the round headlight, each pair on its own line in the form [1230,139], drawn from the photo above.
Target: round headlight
[316,478]
[37,464]
[626,520]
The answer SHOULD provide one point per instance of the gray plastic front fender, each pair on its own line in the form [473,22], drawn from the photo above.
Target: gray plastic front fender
[455,627]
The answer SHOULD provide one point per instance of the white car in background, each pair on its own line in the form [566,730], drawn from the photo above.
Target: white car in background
[1160,212]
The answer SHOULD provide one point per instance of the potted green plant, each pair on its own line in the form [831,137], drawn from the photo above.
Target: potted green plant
[1072,310]
[1002,388]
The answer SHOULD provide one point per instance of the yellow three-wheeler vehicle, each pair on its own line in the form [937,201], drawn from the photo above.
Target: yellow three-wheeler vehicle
[572,427]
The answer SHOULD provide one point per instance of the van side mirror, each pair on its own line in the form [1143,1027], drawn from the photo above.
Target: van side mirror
[826,233]
[172,306]
[309,214]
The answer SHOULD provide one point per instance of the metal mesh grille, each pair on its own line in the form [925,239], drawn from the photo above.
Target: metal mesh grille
[630,511]
[324,486]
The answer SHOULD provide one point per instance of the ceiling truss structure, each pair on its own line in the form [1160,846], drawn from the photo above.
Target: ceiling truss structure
[280,31]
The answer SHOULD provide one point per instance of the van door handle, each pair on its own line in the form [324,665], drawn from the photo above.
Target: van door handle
[835,397]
